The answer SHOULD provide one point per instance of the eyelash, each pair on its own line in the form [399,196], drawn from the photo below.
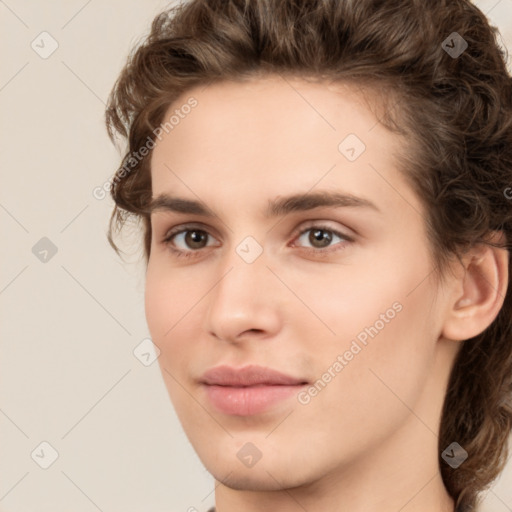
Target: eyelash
[191,253]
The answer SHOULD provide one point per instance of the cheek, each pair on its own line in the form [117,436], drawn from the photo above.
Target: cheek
[383,349]
[368,290]
[169,296]
[175,302]
[159,305]
[169,302]
[379,315]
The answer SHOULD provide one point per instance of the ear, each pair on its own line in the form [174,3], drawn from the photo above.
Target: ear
[478,291]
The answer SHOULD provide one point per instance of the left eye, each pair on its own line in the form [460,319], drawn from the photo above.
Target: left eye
[320,237]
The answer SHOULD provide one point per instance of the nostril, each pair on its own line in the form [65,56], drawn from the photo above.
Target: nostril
[253,330]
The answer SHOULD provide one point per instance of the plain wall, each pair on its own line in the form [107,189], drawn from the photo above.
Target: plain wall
[70,324]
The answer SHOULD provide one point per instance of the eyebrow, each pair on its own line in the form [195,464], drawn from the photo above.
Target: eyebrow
[275,208]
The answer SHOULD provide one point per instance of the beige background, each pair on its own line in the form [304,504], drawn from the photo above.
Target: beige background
[69,326]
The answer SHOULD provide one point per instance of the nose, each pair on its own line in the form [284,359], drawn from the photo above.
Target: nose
[245,302]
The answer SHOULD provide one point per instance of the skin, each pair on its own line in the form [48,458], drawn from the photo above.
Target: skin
[368,441]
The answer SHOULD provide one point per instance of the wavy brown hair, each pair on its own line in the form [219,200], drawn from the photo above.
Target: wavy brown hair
[455,111]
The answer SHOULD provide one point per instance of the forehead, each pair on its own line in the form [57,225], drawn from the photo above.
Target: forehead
[266,105]
[275,134]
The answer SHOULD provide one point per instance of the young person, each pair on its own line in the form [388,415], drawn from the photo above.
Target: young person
[325,188]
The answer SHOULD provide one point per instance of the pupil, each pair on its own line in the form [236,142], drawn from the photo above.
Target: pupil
[320,238]
[195,238]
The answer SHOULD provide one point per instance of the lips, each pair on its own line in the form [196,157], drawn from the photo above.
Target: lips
[248,376]
[249,390]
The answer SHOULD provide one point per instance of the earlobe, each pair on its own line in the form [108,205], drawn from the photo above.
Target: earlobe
[478,292]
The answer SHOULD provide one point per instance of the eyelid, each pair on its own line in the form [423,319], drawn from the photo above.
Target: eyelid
[187,227]
[304,227]
[323,224]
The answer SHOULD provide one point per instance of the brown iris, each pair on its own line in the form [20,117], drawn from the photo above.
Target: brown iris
[320,237]
[195,238]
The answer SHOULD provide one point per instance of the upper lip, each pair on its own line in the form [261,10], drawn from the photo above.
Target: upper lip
[251,375]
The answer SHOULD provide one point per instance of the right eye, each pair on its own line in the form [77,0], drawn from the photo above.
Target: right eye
[184,241]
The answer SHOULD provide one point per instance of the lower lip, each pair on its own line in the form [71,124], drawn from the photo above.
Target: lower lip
[247,401]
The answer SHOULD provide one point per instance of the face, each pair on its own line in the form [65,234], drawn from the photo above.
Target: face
[289,287]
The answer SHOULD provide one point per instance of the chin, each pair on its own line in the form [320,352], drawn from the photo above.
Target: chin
[266,475]
[249,480]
